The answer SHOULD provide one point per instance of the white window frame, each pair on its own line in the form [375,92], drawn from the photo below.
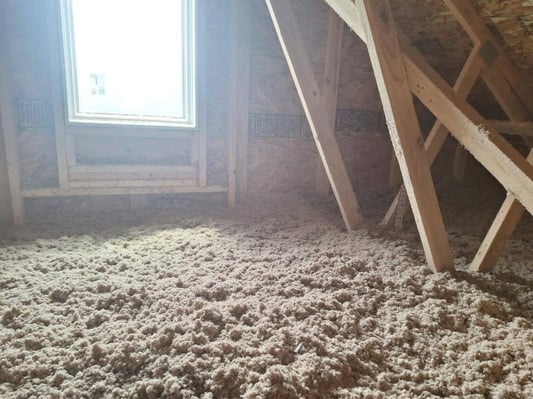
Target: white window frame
[190,87]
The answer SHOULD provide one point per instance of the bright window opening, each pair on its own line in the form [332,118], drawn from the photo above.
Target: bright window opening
[130,61]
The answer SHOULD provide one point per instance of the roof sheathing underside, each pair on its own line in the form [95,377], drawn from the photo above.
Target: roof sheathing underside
[431,26]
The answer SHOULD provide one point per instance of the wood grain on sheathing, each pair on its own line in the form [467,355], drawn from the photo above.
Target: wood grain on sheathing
[296,126]
[33,113]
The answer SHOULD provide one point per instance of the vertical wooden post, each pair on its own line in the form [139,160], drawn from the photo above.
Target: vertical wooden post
[234,102]
[7,118]
[330,87]
[387,62]
[460,161]
[59,103]
[243,66]
[201,133]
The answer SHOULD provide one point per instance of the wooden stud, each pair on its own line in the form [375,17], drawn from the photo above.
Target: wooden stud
[59,103]
[233,103]
[387,62]
[201,133]
[315,110]
[501,229]
[395,174]
[70,147]
[460,161]
[243,65]
[238,100]
[330,86]
[7,118]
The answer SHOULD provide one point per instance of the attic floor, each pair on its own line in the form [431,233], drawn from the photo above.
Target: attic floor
[270,300]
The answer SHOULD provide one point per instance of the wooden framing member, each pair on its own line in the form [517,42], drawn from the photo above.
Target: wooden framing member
[201,132]
[524,129]
[516,99]
[501,229]
[243,95]
[505,163]
[89,191]
[103,172]
[386,57]
[460,160]
[237,138]
[57,94]
[315,109]
[7,114]
[438,134]
[330,86]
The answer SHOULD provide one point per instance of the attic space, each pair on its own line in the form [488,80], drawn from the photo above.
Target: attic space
[206,199]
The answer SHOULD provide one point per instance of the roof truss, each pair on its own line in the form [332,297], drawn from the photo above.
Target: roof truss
[400,70]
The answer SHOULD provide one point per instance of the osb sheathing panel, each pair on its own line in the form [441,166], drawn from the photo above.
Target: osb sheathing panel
[282,165]
[143,150]
[271,86]
[285,164]
[513,21]
[431,26]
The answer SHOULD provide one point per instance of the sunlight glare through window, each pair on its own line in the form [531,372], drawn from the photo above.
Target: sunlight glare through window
[129,58]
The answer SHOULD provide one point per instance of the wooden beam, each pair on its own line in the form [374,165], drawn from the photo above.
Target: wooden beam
[301,70]
[330,86]
[59,107]
[516,99]
[524,129]
[438,134]
[460,161]
[482,141]
[243,43]
[7,118]
[91,191]
[200,156]
[233,103]
[387,62]
[501,229]
[498,156]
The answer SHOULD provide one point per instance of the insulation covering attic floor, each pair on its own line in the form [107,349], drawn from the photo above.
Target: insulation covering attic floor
[271,300]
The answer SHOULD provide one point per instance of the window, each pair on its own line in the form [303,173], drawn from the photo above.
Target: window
[130,62]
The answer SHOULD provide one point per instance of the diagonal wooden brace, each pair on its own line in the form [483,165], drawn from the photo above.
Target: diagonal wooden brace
[438,134]
[389,70]
[501,229]
[503,161]
[315,110]
[330,85]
